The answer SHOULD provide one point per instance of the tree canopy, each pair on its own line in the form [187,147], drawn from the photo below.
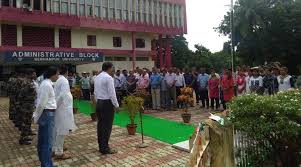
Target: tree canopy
[183,57]
[265,31]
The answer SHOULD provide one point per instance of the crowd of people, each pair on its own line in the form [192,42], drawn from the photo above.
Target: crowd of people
[50,96]
[212,90]
[49,104]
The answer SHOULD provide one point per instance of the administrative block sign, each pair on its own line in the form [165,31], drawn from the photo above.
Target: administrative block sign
[51,56]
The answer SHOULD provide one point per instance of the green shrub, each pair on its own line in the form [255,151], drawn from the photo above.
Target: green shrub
[133,105]
[274,123]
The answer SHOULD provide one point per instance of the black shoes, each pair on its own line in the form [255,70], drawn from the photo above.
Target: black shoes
[109,151]
[25,142]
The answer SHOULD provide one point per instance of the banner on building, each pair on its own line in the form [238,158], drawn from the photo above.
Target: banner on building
[51,56]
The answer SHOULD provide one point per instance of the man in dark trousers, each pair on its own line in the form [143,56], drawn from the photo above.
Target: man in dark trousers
[105,95]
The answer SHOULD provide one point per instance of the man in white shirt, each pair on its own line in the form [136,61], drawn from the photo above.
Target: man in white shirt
[170,79]
[180,83]
[64,119]
[44,116]
[105,96]
[118,83]
[256,82]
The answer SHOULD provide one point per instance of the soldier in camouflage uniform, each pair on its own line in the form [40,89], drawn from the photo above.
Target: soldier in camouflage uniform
[28,96]
[12,96]
[18,99]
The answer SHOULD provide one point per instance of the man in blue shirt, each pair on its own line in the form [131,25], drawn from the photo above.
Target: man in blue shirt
[188,78]
[85,85]
[155,82]
[203,79]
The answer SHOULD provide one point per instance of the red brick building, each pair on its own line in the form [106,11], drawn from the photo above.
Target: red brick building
[84,33]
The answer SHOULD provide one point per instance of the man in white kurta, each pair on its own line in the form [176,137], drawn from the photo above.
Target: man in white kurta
[64,119]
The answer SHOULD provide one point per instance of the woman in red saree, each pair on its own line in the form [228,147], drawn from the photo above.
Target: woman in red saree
[241,83]
[228,87]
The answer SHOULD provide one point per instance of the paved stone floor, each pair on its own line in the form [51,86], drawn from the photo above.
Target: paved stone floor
[82,146]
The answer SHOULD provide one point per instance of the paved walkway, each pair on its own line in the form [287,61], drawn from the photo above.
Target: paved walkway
[83,148]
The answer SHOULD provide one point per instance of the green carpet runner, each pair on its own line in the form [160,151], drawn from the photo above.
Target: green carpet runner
[161,129]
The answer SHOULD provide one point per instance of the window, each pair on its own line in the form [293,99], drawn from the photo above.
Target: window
[118,9]
[138,2]
[97,8]
[171,15]
[105,8]
[64,6]
[82,8]
[117,42]
[56,6]
[119,58]
[91,40]
[73,7]
[132,9]
[65,38]
[109,58]
[9,35]
[37,36]
[144,11]
[140,43]
[112,9]
[165,9]
[142,58]
[125,9]
[89,7]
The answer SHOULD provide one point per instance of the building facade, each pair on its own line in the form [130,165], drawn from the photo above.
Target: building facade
[85,33]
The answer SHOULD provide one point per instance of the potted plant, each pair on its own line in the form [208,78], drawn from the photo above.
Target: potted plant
[133,105]
[186,100]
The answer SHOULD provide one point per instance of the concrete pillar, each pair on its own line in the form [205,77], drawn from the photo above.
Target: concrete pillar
[56,38]
[134,49]
[19,36]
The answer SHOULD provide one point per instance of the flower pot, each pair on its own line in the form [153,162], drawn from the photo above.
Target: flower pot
[93,116]
[186,117]
[131,129]
[75,110]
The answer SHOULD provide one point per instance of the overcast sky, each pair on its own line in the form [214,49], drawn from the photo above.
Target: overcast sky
[202,17]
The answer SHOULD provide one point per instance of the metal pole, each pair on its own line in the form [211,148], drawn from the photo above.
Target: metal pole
[142,145]
[232,42]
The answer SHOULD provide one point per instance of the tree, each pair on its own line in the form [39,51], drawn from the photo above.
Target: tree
[180,52]
[266,30]
[183,57]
